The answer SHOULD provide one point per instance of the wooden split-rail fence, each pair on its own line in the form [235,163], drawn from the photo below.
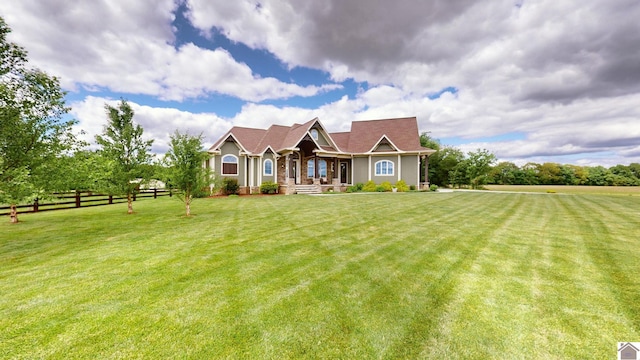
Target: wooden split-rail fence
[81,199]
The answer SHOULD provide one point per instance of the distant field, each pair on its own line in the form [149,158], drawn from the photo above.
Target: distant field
[568,189]
[455,275]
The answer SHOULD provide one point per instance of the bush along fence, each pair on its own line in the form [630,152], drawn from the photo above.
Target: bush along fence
[81,199]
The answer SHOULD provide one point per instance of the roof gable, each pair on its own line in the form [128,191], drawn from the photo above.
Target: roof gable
[328,144]
[296,134]
[398,135]
[273,138]
[402,132]
[384,145]
[228,137]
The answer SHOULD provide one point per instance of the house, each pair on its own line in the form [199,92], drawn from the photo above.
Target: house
[628,352]
[307,158]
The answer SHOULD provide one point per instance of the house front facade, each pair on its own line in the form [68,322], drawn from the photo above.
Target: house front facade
[306,158]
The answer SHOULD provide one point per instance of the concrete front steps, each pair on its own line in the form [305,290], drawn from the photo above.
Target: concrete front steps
[308,189]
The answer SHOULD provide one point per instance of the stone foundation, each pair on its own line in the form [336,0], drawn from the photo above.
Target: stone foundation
[336,184]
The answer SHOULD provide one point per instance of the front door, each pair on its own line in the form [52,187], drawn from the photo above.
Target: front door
[295,170]
[343,173]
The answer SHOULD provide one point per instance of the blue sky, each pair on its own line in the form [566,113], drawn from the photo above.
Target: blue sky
[528,80]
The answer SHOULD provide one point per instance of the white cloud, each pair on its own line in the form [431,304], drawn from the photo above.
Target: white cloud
[584,127]
[158,123]
[563,74]
[127,47]
[545,138]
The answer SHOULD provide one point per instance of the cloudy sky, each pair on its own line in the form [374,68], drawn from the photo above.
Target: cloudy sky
[543,80]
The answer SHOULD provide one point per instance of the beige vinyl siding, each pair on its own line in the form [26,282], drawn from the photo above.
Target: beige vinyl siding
[384,147]
[321,138]
[390,178]
[410,168]
[231,148]
[274,168]
[360,169]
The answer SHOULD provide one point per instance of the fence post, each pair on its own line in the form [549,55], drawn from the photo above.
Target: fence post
[77,199]
[110,199]
[35,205]
[134,196]
[155,193]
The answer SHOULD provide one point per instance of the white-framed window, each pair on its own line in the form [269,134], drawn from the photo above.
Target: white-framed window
[322,168]
[229,165]
[314,133]
[311,168]
[268,167]
[384,168]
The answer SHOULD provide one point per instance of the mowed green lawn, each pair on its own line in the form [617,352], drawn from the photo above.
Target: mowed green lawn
[569,189]
[417,275]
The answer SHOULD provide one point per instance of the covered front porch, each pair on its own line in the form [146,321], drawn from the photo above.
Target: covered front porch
[313,173]
[311,167]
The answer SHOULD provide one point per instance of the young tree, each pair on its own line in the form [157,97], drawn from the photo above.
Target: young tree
[33,132]
[124,151]
[186,172]
[479,164]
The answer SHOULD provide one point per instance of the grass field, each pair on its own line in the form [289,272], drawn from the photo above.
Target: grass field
[569,189]
[420,275]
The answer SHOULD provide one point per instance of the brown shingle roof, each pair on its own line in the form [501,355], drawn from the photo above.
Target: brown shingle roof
[363,137]
[402,132]
[296,133]
[341,139]
[273,137]
[249,138]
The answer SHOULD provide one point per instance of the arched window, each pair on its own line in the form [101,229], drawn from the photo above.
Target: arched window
[229,165]
[268,167]
[384,168]
[311,168]
[314,134]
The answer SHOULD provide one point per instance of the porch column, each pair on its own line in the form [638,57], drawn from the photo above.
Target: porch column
[251,173]
[245,179]
[260,171]
[335,181]
[426,170]
[315,166]
[286,169]
[276,169]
